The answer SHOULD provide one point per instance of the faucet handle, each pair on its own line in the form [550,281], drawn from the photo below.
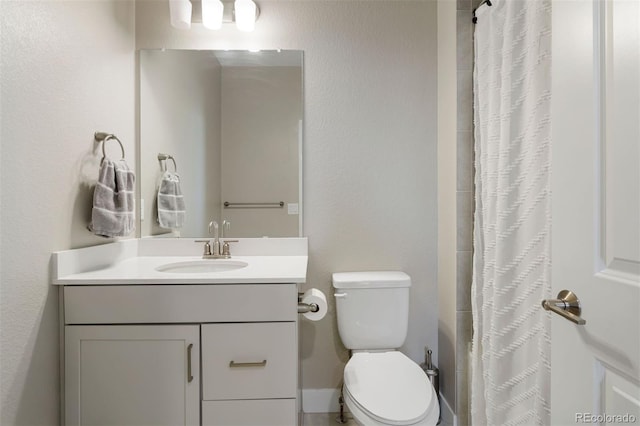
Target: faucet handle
[226,249]
[207,247]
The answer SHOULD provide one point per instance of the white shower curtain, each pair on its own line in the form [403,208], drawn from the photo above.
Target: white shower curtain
[511,268]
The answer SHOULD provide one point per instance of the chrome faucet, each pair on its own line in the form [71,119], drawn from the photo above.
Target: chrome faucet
[212,250]
[216,239]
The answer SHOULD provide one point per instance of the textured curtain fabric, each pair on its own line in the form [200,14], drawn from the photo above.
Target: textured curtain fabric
[510,371]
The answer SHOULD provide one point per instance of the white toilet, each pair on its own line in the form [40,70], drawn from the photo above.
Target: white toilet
[382,386]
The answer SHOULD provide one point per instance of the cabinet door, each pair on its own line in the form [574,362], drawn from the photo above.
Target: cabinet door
[132,375]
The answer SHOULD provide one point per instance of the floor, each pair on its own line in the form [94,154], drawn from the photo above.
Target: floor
[329,419]
[326,419]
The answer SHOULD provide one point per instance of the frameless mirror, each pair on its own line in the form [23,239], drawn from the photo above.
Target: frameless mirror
[231,123]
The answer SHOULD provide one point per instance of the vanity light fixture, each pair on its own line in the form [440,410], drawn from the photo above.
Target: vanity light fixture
[214,13]
[180,11]
[246,15]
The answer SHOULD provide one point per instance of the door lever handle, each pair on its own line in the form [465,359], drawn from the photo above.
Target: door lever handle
[566,305]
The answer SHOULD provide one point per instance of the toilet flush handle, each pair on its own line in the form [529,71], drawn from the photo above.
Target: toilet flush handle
[339,295]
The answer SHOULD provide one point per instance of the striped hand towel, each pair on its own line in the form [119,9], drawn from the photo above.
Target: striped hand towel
[171,210]
[113,200]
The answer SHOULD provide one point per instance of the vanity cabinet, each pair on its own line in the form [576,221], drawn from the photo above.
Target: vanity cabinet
[214,355]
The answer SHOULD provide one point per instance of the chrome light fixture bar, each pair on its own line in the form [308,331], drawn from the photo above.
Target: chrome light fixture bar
[214,13]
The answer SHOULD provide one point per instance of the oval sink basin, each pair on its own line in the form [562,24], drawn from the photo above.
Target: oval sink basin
[202,266]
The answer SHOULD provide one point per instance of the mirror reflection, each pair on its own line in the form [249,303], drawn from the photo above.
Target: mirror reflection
[220,139]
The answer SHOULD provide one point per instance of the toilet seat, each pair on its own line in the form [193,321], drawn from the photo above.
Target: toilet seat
[390,388]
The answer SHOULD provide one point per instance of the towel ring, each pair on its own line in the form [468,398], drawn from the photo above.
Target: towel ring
[165,157]
[104,137]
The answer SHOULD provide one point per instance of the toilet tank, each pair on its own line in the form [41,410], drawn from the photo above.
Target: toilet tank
[372,308]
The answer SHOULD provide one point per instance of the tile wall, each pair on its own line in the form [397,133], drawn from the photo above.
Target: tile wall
[464,202]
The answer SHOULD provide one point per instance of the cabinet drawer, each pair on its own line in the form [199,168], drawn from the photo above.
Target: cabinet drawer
[261,412]
[249,361]
[180,303]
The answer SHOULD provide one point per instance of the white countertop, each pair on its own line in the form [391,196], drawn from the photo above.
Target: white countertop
[135,262]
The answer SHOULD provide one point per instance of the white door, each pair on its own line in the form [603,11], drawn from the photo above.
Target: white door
[132,375]
[596,210]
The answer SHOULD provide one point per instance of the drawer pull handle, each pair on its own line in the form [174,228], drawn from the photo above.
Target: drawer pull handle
[189,372]
[234,364]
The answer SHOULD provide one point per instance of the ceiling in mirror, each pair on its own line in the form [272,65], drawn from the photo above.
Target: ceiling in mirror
[230,122]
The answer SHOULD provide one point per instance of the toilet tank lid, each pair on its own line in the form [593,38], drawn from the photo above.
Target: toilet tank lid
[371,279]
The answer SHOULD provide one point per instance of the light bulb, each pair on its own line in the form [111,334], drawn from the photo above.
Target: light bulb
[180,11]
[212,11]
[245,15]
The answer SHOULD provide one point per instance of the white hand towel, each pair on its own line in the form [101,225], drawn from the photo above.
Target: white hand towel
[113,200]
[171,210]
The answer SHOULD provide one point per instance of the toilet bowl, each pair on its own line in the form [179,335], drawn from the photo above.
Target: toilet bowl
[382,386]
[388,388]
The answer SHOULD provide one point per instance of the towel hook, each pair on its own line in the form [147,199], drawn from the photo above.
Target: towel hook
[165,157]
[104,137]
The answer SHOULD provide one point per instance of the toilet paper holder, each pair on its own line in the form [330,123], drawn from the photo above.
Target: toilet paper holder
[303,308]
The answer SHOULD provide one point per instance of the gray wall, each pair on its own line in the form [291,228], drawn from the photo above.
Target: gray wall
[67,70]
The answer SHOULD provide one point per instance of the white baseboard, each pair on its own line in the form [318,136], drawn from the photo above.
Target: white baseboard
[320,400]
[446,413]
